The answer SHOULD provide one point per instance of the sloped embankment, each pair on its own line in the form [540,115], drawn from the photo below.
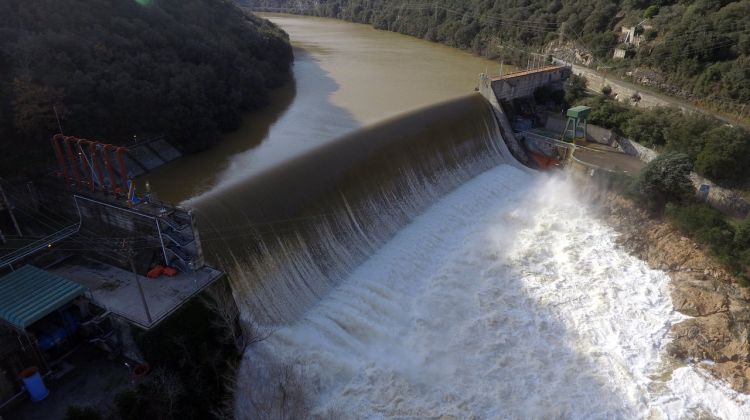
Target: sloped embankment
[701,288]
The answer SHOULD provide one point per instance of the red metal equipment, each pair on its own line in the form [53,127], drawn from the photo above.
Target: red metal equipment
[121,152]
[88,170]
[90,158]
[73,159]
[57,140]
[97,165]
[110,170]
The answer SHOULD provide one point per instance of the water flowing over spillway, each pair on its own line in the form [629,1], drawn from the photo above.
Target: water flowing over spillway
[505,299]
[308,223]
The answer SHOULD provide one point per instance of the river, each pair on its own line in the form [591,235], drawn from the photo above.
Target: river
[411,268]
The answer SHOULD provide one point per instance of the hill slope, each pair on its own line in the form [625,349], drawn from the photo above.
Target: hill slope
[691,48]
[117,68]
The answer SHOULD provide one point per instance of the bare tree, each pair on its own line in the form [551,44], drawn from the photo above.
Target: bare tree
[271,391]
[168,389]
[244,333]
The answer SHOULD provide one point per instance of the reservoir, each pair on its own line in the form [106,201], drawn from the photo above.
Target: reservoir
[345,76]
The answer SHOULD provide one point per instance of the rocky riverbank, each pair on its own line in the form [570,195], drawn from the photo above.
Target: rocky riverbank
[701,288]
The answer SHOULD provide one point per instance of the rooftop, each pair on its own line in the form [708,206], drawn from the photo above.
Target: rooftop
[29,294]
[116,290]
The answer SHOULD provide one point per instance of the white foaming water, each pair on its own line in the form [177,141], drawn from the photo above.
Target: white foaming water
[506,299]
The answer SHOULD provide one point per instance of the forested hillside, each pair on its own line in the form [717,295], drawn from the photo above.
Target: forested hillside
[692,48]
[112,69]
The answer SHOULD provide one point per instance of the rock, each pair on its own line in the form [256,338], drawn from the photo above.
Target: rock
[703,338]
[694,301]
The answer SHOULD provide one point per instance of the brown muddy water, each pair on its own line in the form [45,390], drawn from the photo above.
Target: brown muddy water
[345,76]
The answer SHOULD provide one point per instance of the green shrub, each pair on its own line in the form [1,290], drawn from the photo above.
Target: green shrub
[742,236]
[575,88]
[648,127]
[651,11]
[665,179]
[726,156]
[685,134]
[607,90]
[609,113]
[709,227]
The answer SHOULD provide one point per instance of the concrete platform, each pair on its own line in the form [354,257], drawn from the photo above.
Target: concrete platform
[116,289]
[607,158]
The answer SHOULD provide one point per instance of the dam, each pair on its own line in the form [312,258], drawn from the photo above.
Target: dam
[409,266]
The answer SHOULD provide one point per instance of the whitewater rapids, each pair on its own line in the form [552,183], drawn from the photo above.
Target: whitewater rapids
[505,299]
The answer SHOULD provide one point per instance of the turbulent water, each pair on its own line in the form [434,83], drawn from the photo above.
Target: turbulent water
[505,299]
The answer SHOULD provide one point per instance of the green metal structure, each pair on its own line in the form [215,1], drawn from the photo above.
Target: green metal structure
[29,294]
[577,118]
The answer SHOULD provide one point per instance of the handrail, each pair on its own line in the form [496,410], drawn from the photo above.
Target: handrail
[36,246]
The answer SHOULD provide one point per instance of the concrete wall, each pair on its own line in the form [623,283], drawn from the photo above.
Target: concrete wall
[514,86]
[635,149]
[108,232]
[523,84]
[722,199]
[506,130]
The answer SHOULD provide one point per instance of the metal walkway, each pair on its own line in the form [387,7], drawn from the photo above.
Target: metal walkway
[9,259]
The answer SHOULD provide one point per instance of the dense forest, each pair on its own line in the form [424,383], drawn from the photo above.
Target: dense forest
[112,69]
[696,49]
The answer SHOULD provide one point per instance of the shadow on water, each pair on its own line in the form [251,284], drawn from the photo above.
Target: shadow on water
[298,117]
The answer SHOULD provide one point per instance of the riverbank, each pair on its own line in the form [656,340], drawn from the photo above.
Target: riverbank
[716,335]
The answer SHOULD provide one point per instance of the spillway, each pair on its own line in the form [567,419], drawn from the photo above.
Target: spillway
[414,270]
[299,228]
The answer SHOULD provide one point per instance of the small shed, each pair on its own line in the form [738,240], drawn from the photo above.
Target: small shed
[29,294]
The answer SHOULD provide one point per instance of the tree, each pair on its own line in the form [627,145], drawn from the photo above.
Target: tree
[575,88]
[651,11]
[220,301]
[647,127]
[33,112]
[685,134]
[726,156]
[665,179]
[635,98]
[185,69]
[742,235]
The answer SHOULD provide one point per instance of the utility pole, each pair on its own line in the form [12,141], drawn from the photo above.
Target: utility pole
[57,117]
[131,253]
[562,34]
[5,203]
